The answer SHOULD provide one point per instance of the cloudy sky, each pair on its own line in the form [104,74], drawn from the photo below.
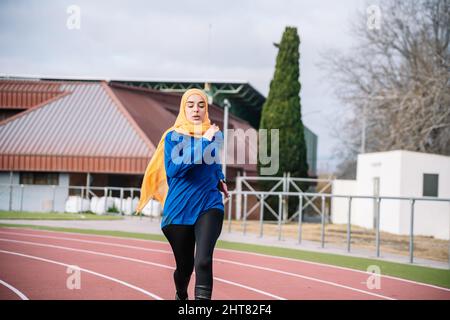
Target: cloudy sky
[196,39]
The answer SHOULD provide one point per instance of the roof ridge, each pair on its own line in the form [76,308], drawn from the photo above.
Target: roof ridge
[176,94]
[141,89]
[127,115]
[41,81]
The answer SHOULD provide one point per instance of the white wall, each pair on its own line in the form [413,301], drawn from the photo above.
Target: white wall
[387,167]
[401,175]
[430,218]
[339,206]
[37,198]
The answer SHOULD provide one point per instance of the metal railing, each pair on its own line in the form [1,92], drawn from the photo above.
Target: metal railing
[261,195]
[285,183]
[304,198]
[83,191]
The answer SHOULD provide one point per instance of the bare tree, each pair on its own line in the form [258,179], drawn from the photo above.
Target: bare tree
[397,79]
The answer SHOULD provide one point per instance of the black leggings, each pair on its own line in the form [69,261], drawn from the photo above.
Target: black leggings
[183,238]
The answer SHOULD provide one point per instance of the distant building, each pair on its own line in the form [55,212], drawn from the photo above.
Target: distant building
[397,173]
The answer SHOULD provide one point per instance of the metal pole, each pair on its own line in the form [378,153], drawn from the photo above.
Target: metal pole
[285,207]
[322,211]
[21,197]
[10,190]
[227,106]
[131,202]
[377,239]
[245,213]
[88,183]
[82,199]
[238,196]
[105,190]
[230,203]
[300,217]
[261,216]
[349,225]
[411,234]
[53,200]
[280,210]
[121,204]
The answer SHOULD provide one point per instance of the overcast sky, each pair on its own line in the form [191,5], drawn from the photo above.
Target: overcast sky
[196,39]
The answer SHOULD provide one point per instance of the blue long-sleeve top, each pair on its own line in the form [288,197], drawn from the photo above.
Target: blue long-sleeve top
[193,175]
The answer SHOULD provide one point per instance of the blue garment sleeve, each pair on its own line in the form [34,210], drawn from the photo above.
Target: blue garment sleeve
[177,168]
[219,171]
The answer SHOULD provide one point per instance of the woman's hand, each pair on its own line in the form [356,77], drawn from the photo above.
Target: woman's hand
[223,188]
[209,134]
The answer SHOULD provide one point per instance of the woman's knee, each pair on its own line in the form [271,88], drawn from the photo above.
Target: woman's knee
[203,263]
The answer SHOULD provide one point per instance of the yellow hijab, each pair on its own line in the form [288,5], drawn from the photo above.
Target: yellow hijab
[154,184]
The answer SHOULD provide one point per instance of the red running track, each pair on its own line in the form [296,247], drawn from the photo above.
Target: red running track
[34,265]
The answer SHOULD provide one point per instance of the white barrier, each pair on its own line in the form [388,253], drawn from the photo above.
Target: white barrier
[75,204]
[152,209]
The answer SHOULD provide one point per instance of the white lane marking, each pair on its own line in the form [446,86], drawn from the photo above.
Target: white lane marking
[217,259]
[154,296]
[139,261]
[238,251]
[308,278]
[15,290]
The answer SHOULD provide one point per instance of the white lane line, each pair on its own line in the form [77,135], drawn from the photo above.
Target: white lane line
[15,290]
[241,252]
[86,241]
[154,296]
[139,261]
[308,278]
[222,260]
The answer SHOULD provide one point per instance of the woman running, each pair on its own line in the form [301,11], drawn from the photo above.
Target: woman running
[185,176]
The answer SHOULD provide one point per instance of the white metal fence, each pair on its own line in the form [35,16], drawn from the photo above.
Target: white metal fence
[303,197]
[14,196]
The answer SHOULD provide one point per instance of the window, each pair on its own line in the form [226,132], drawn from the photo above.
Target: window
[430,185]
[40,178]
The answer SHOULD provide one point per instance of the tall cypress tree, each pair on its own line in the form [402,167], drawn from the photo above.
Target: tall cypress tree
[282,110]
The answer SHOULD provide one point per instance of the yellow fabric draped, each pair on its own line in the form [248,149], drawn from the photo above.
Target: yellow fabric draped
[154,184]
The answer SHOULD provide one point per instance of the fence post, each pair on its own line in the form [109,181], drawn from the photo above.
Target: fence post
[10,190]
[300,217]
[54,197]
[131,202]
[285,198]
[322,211]
[280,212]
[349,224]
[411,233]
[105,190]
[82,199]
[230,203]
[121,204]
[245,214]
[238,196]
[261,216]
[21,197]
[377,238]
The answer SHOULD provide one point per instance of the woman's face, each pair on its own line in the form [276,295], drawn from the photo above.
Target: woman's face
[195,109]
